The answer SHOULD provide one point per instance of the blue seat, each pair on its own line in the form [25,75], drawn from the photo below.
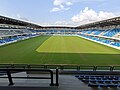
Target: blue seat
[103,85]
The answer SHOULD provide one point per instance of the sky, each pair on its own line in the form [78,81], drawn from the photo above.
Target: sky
[60,12]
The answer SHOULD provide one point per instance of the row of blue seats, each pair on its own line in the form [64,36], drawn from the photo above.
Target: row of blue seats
[94,32]
[6,40]
[110,76]
[100,80]
[89,32]
[103,85]
[112,32]
[108,33]
[99,77]
[107,41]
[98,32]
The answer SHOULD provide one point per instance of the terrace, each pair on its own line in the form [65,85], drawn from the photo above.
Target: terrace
[70,77]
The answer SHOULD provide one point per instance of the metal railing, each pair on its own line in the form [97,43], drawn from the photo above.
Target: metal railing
[9,71]
[61,67]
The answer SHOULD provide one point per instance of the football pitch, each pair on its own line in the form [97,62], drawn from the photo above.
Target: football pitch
[59,50]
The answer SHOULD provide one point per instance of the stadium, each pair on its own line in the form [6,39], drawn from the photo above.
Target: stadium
[83,57]
[70,45]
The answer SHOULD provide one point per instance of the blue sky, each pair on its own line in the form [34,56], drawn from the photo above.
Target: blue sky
[60,12]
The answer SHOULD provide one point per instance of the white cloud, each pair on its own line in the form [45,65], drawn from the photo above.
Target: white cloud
[25,19]
[59,23]
[22,18]
[18,16]
[61,5]
[55,9]
[65,23]
[62,2]
[60,8]
[85,16]
[89,15]
[69,3]
[58,2]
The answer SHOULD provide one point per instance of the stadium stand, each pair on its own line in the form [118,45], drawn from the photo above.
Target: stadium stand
[96,36]
[112,32]
[13,35]
[100,80]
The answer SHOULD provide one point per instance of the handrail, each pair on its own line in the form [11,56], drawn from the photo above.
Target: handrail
[8,71]
[61,66]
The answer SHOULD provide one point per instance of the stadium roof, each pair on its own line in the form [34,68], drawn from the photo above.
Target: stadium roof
[57,27]
[103,23]
[10,21]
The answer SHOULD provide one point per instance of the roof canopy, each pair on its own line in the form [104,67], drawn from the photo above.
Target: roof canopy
[10,21]
[108,22]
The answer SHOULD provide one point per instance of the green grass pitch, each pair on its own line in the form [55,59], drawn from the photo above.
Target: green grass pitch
[59,50]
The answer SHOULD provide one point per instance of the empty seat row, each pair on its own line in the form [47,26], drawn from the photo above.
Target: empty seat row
[106,41]
[108,33]
[13,39]
[97,77]
[100,80]
[103,85]
[112,32]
